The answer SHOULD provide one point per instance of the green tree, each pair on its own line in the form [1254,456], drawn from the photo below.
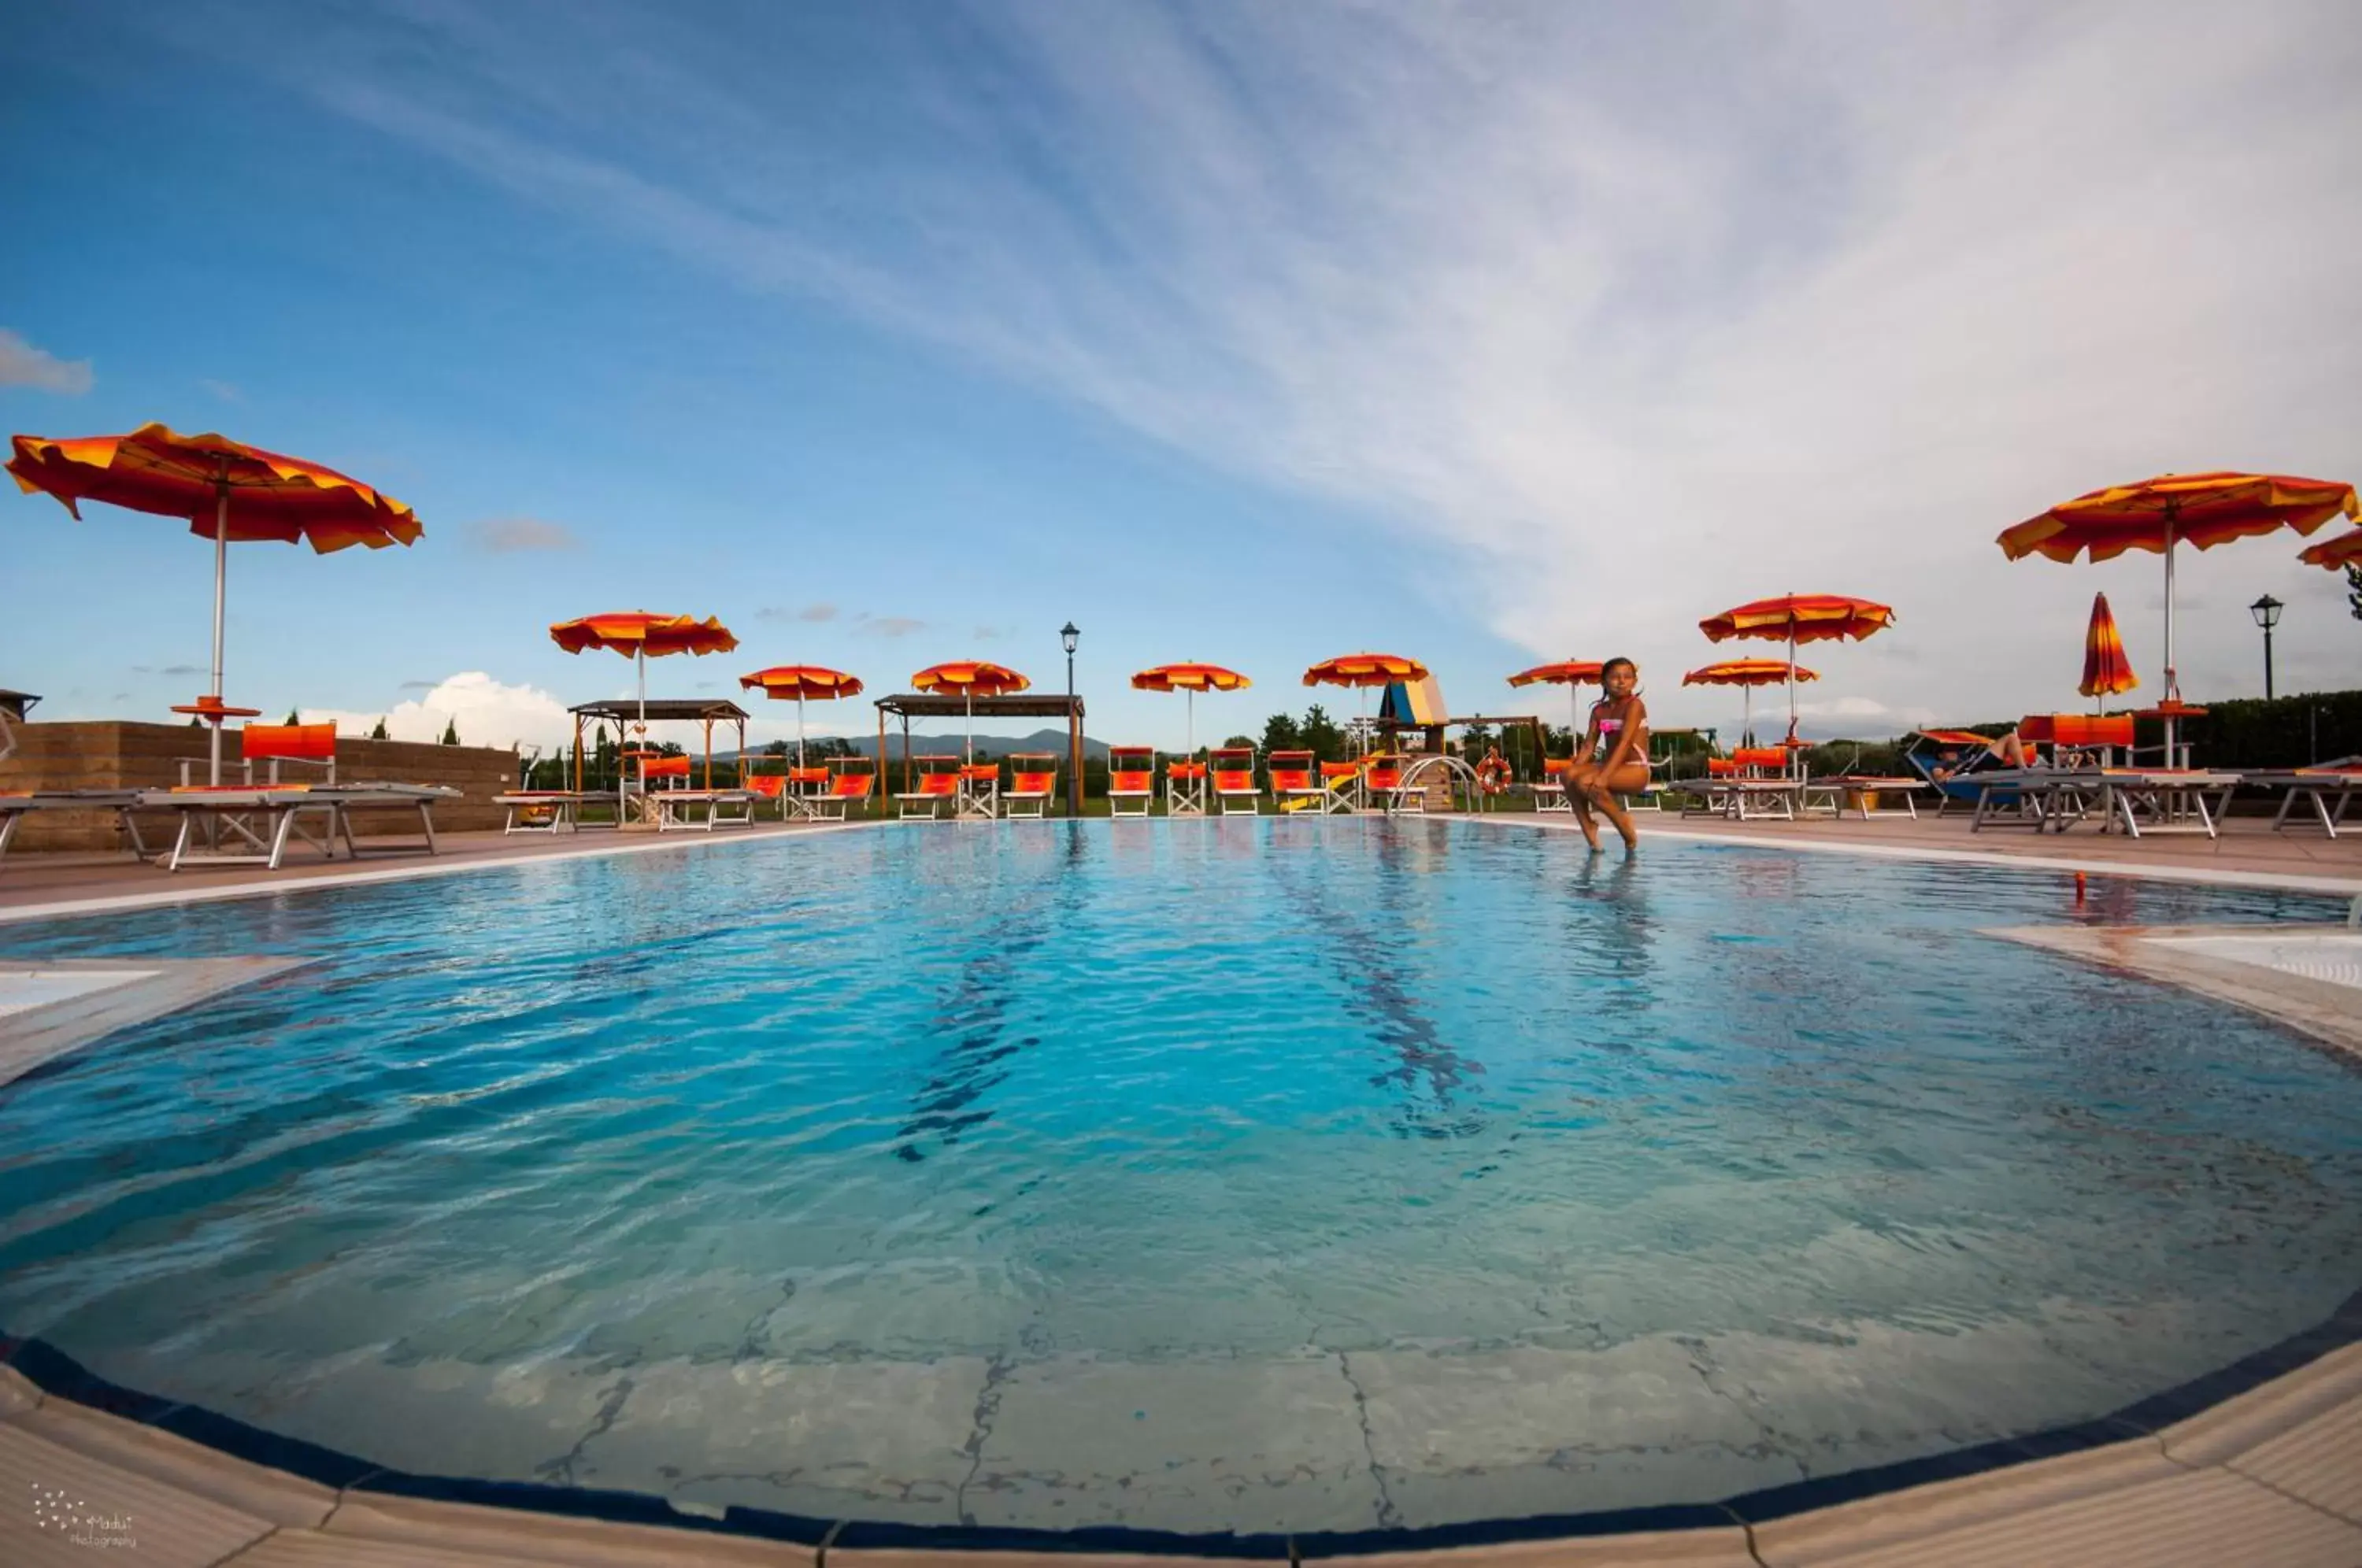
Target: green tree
[1280,734]
[2353,589]
[295,716]
[451,732]
[1239,741]
[1321,735]
[379,733]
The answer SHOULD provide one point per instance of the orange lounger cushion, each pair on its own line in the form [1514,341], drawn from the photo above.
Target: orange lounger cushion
[666,768]
[1135,781]
[1031,783]
[852,786]
[1234,780]
[1186,770]
[767,784]
[311,743]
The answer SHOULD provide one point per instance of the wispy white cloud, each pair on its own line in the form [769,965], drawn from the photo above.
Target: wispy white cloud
[1638,312]
[226,390]
[22,365]
[514,535]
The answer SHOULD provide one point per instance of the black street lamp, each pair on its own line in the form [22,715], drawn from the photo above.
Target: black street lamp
[1068,636]
[2266,612]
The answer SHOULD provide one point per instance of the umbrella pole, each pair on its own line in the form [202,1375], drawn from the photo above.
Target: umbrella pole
[1189,730]
[799,731]
[2172,682]
[221,580]
[1745,715]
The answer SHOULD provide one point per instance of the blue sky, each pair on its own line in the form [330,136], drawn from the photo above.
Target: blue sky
[903,332]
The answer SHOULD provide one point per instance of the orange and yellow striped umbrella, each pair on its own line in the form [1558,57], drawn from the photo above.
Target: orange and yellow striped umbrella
[1364,670]
[1747,674]
[230,493]
[815,682]
[2106,670]
[1574,674]
[641,632]
[1566,672]
[802,681]
[2344,550]
[1795,618]
[1190,679]
[643,636]
[972,678]
[2205,510]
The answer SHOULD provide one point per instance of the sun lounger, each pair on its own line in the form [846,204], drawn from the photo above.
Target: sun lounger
[1131,780]
[1184,787]
[1341,786]
[1833,792]
[312,746]
[2316,786]
[1234,781]
[853,782]
[939,786]
[1032,784]
[979,792]
[724,808]
[2138,800]
[280,809]
[1384,783]
[13,808]
[1752,784]
[1550,790]
[1292,789]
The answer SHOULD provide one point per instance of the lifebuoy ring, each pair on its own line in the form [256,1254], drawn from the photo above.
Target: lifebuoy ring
[1493,774]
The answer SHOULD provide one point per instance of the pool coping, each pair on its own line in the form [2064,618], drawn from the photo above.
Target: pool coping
[2321,1010]
[190,892]
[2283,1427]
[37,1036]
[2257,1427]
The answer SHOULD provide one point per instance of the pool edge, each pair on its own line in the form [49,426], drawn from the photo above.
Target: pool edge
[2257,1427]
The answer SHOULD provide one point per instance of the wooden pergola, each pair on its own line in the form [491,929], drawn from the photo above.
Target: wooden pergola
[912,705]
[629,710]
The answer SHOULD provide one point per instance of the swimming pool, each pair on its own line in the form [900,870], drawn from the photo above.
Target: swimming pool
[1275,1176]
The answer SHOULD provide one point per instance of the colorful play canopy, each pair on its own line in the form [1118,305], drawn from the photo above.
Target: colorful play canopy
[229,493]
[801,683]
[1190,679]
[2106,670]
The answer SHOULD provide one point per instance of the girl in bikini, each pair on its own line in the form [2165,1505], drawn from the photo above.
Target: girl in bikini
[1614,757]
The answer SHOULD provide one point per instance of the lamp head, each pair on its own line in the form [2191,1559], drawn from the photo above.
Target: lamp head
[2266,612]
[1068,634]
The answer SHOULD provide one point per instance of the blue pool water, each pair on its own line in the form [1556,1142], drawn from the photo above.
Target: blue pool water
[1071,1173]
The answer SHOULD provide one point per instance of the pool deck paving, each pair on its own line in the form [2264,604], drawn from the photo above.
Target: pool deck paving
[2270,1477]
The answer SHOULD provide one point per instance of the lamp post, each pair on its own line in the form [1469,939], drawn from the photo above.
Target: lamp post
[1068,636]
[2266,612]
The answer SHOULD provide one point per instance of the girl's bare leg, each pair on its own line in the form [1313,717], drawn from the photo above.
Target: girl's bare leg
[1602,796]
[1578,796]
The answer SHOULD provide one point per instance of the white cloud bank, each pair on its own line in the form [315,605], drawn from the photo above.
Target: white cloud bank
[1641,311]
[486,712]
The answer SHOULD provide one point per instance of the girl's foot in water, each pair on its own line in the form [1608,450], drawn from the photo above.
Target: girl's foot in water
[1631,844]
[1591,837]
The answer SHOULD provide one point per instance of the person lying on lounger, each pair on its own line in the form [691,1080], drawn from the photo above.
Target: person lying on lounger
[1613,759]
[2005,750]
